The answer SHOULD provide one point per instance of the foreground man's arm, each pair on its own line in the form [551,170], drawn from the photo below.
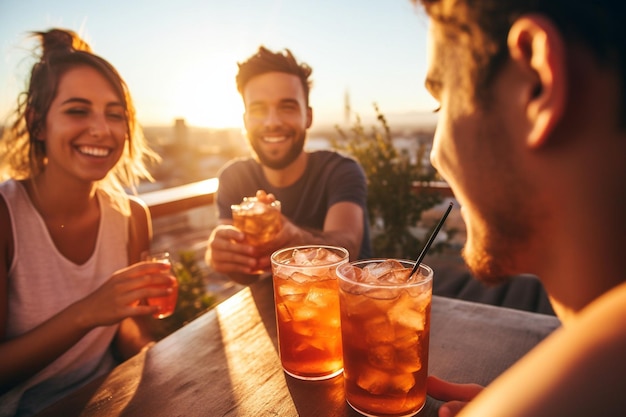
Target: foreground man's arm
[579,371]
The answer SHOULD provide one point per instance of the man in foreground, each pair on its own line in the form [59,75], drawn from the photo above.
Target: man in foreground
[323,194]
[532,140]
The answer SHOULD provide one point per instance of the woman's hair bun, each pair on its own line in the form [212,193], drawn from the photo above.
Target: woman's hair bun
[61,40]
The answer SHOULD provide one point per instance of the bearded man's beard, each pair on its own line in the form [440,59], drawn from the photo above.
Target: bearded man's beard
[296,148]
[485,268]
[493,253]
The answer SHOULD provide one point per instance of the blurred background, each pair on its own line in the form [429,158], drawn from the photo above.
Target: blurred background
[179,60]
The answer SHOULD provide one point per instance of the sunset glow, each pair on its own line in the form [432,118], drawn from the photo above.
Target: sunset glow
[179,59]
[205,99]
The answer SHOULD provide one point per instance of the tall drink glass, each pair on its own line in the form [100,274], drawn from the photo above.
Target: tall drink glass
[307,310]
[385,325]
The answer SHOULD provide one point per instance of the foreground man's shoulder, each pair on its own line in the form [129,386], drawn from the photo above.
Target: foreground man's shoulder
[578,371]
[611,303]
[596,331]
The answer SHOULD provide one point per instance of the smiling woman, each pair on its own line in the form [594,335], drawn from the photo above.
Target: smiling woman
[71,239]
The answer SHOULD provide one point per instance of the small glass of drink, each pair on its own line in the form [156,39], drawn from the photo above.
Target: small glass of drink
[307,310]
[385,324]
[260,222]
[166,304]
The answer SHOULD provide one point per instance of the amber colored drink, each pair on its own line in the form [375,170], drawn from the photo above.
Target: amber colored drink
[307,310]
[166,304]
[385,323]
[260,222]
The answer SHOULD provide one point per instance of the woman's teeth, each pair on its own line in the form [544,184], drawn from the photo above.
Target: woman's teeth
[94,151]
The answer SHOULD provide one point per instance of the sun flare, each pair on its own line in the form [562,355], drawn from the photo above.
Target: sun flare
[208,100]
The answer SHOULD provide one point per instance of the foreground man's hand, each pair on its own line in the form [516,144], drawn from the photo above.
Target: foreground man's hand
[455,395]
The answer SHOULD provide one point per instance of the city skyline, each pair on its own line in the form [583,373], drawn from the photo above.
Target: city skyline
[179,60]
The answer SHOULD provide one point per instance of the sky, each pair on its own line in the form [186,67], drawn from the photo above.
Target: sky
[179,58]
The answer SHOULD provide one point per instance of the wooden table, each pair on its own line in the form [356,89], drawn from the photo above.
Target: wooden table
[225,363]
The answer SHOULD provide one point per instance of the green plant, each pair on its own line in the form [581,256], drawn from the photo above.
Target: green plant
[193,296]
[394,204]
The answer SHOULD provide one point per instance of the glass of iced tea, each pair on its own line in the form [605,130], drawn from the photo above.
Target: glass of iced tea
[385,325]
[259,221]
[307,310]
[166,304]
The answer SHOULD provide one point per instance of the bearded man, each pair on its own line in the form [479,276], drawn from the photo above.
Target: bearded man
[323,194]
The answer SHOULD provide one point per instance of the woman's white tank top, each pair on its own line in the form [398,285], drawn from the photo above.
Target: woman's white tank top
[41,282]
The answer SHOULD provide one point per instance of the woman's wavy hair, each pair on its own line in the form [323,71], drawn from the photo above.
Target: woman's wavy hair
[23,155]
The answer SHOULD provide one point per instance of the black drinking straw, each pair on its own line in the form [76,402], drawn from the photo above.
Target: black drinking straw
[430,240]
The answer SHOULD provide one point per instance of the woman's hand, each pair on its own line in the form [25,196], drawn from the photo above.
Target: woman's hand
[455,395]
[121,295]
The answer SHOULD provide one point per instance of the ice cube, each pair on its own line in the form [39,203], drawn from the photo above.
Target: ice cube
[246,204]
[324,344]
[408,360]
[302,312]
[407,350]
[381,356]
[373,380]
[302,328]
[283,313]
[417,277]
[357,305]
[379,269]
[301,346]
[378,331]
[383,296]
[300,277]
[405,338]
[351,273]
[395,276]
[422,301]
[364,275]
[402,313]
[280,271]
[350,288]
[258,208]
[291,292]
[410,319]
[325,257]
[402,382]
[304,256]
[321,297]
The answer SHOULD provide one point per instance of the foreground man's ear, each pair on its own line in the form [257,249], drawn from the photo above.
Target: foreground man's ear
[536,45]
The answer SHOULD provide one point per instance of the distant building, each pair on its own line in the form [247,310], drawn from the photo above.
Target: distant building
[181,132]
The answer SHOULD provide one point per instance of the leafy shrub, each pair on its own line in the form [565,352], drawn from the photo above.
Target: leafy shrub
[394,205]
